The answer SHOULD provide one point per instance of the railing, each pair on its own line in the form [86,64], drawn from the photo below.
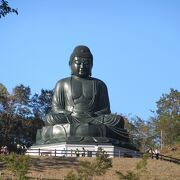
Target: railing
[88,153]
[73,153]
[167,158]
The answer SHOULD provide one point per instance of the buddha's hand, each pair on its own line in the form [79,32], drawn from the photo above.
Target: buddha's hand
[64,112]
[84,114]
[89,114]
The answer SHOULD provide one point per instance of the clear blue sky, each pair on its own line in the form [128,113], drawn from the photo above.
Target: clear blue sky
[135,43]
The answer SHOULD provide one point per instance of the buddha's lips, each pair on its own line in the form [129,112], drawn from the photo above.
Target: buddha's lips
[82,71]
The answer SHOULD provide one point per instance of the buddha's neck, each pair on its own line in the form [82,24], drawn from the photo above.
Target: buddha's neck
[78,77]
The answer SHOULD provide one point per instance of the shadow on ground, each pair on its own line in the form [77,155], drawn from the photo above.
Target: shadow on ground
[42,163]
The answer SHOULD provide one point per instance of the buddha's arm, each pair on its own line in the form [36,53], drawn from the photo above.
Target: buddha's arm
[103,111]
[58,101]
[104,105]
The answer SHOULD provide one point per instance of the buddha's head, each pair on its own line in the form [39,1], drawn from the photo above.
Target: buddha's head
[81,61]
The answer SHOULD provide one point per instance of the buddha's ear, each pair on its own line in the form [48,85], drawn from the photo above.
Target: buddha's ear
[91,70]
[71,69]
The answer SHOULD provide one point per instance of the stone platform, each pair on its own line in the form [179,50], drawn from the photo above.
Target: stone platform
[68,150]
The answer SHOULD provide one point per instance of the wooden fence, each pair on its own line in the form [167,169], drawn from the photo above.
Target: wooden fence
[165,158]
[73,153]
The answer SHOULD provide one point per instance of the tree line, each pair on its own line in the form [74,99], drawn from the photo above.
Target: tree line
[21,114]
[162,128]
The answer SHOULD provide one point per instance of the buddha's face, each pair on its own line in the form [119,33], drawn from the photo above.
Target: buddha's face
[81,67]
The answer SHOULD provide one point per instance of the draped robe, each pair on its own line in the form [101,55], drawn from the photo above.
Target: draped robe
[82,100]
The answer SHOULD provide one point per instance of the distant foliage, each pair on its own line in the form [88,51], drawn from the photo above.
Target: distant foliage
[168,117]
[21,115]
[41,104]
[142,134]
[6,9]
[164,122]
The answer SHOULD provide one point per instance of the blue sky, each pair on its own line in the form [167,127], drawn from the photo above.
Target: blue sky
[135,44]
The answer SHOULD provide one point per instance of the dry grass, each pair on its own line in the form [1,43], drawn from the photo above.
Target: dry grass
[57,168]
[173,151]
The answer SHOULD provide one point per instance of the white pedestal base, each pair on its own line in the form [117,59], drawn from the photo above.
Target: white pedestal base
[68,150]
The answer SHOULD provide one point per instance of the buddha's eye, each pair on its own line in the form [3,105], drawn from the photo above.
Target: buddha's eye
[86,62]
[77,62]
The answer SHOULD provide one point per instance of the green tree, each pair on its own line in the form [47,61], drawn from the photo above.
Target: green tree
[141,132]
[167,117]
[21,101]
[21,115]
[41,104]
[3,97]
[6,9]
[14,113]
[5,127]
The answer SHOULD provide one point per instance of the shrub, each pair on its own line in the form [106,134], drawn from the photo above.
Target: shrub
[71,176]
[87,169]
[141,165]
[17,164]
[130,175]
[135,175]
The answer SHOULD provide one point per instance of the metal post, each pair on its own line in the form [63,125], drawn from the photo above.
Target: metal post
[119,153]
[161,139]
[135,153]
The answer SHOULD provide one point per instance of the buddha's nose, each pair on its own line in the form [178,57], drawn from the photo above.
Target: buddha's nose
[82,65]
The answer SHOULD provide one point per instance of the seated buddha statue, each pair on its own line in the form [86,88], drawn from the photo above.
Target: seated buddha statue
[82,102]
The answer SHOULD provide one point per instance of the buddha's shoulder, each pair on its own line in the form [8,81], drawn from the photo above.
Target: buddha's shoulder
[63,81]
[98,81]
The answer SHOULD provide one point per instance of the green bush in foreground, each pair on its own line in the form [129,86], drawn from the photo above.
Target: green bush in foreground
[87,170]
[130,175]
[17,164]
[135,175]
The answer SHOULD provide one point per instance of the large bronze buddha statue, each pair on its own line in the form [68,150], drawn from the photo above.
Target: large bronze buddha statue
[80,107]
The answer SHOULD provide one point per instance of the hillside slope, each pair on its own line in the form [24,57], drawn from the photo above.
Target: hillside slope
[57,168]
